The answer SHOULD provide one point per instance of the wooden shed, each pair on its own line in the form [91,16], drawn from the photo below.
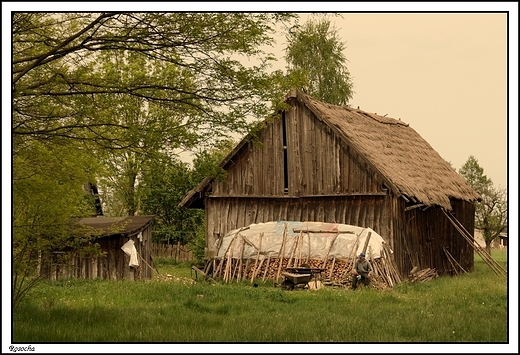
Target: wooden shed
[111,233]
[337,164]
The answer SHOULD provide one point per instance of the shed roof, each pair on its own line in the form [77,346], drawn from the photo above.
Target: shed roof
[409,165]
[107,226]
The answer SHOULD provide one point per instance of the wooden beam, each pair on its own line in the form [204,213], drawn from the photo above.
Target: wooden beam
[296,230]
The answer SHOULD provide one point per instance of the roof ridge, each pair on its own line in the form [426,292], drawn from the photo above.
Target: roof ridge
[375,117]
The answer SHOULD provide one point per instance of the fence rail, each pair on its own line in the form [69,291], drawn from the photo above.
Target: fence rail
[177,251]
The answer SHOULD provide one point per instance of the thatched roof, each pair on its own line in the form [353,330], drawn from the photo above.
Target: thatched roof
[107,226]
[412,169]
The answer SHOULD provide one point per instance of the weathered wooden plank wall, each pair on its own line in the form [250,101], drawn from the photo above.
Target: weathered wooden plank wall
[113,266]
[225,214]
[317,163]
[421,236]
[175,251]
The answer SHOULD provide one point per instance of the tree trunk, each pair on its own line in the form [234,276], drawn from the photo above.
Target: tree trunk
[488,246]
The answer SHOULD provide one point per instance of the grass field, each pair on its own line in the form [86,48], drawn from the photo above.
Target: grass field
[472,308]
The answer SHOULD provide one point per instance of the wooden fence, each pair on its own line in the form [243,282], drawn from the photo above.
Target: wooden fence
[177,251]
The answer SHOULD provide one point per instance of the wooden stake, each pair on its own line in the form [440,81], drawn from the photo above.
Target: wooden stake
[266,268]
[332,268]
[328,251]
[257,256]
[366,242]
[282,252]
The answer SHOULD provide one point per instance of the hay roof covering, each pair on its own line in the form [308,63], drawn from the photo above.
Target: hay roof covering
[409,165]
[397,151]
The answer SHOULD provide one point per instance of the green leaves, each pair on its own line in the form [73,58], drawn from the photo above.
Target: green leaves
[316,61]
[491,211]
[105,97]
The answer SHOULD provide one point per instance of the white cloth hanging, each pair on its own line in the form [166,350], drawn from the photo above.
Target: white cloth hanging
[129,249]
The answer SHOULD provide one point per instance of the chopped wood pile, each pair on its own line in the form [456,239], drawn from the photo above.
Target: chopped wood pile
[423,275]
[337,273]
[265,251]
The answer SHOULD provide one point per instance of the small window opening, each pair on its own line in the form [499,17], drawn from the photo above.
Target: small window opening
[285,162]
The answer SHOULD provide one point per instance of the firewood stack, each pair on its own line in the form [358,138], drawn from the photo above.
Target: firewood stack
[337,273]
[423,275]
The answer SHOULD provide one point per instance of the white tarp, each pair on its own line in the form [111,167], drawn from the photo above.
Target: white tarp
[310,240]
[129,249]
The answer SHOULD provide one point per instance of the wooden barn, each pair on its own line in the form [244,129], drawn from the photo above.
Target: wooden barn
[113,234]
[326,163]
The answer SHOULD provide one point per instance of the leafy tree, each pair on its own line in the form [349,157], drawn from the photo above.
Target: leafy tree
[491,212]
[165,183]
[315,59]
[48,191]
[98,94]
[190,61]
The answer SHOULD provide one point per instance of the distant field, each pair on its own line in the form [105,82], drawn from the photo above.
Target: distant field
[469,308]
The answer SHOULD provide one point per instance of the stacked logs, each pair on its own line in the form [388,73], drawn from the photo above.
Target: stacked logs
[337,273]
[423,275]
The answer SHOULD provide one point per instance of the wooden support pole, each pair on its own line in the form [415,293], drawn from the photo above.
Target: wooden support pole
[257,256]
[281,254]
[495,266]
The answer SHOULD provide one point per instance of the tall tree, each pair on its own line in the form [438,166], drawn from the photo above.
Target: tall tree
[315,57]
[491,212]
[166,181]
[121,88]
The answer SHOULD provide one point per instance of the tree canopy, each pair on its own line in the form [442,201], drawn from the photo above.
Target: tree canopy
[491,212]
[185,63]
[315,56]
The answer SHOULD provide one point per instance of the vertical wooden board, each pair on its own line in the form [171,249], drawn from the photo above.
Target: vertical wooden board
[275,154]
[286,210]
[325,160]
[267,162]
[337,166]
[260,211]
[249,171]
[289,165]
[272,210]
[243,213]
[346,163]
[309,156]
[304,154]
[276,181]
[297,153]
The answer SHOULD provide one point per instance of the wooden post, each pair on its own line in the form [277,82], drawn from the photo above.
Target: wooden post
[281,254]
[257,256]
[366,242]
[266,268]
[328,251]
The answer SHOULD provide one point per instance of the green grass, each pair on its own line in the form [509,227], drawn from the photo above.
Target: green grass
[467,308]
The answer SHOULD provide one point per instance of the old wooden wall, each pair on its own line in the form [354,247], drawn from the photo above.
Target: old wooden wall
[225,214]
[112,266]
[317,162]
[420,238]
[297,170]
